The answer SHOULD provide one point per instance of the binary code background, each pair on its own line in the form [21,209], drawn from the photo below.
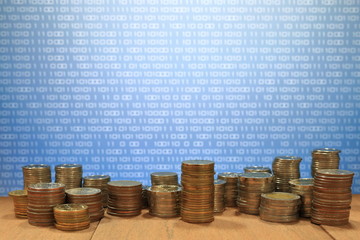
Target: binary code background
[129,87]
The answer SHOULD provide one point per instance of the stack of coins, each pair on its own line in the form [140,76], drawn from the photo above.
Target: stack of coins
[100,182]
[325,158]
[89,196]
[219,193]
[20,202]
[69,174]
[124,198]
[231,189]
[164,200]
[197,196]
[331,197]
[42,198]
[304,188]
[285,168]
[164,178]
[279,207]
[257,169]
[71,217]
[251,186]
[144,196]
[36,173]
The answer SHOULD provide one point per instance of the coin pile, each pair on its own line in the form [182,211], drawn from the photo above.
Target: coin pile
[219,193]
[90,197]
[71,217]
[197,196]
[251,186]
[42,198]
[124,198]
[324,158]
[164,178]
[36,173]
[304,188]
[100,182]
[69,174]
[331,197]
[164,200]
[257,169]
[231,189]
[279,207]
[285,168]
[20,202]
[144,196]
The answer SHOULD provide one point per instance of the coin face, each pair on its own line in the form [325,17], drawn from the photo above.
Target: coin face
[255,175]
[280,196]
[292,158]
[334,172]
[18,193]
[124,183]
[228,175]
[302,182]
[197,162]
[40,186]
[326,150]
[97,177]
[70,207]
[83,191]
[219,182]
[68,166]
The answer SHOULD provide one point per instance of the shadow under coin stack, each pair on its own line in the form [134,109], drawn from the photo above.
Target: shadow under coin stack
[285,168]
[231,188]
[69,174]
[197,196]
[99,182]
[251,186]
[164,178]
[304,188]
[324,158]
[253,169]
[164,200]
[219,193]
[124,198]
[20,202]
[331,197]
[71,217]
[36,173]
[42,198]
[144,196]
[279,207]
[89,196]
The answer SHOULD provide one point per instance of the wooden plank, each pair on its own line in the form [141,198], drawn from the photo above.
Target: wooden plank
[13,228]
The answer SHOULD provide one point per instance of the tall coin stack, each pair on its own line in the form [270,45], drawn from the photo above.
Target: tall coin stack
[231,188]
[331,197]
[42,198]
[100,182]
[304,188]
[325,158]
[279,207]
[257,169]
[69,174]
[219,193]
[164,178]
[197,196]
[124,198]
[89,196]
[71,217]
[20,202]
[36,173]
[285,168]
[164,200]
[251,186]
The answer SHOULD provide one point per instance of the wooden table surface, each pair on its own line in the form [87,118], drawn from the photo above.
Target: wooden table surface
[228,225]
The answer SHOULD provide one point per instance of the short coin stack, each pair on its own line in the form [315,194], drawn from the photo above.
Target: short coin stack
[219,193]
[197,196]
[304,188]
[164,178]
[89,196]
[164,200]
[285,168]
[36,173]
[71,217]
[124,198]
[20,202]
[231,188]
[279,207]
[69,174]
[42,198]
[257,169]
[100,182]
[325,158]
[331,197]
[251,186]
